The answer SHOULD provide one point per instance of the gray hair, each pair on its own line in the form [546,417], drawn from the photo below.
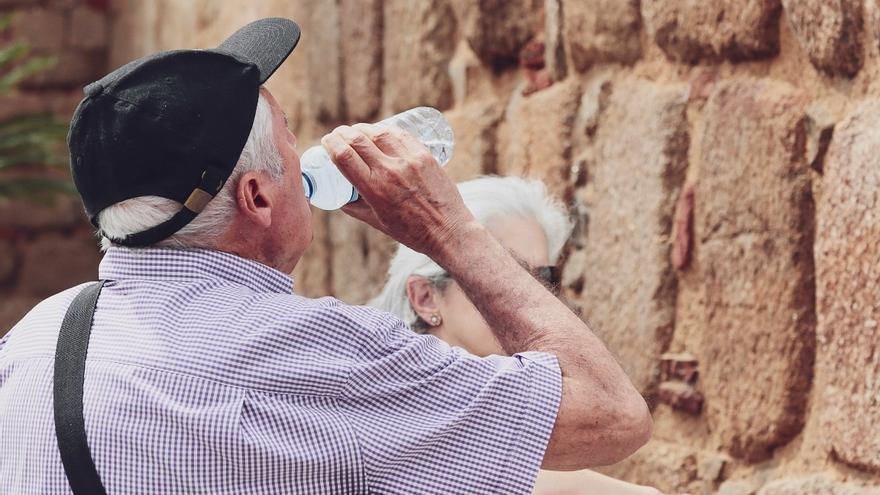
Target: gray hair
[488,198]
[136,214]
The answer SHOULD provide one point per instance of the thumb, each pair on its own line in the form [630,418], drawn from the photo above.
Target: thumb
[363,212]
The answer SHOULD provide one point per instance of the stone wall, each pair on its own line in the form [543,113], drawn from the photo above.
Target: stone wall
[720,160]
[47,246]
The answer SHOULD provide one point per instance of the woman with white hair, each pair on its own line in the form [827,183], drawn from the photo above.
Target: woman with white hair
[533,227]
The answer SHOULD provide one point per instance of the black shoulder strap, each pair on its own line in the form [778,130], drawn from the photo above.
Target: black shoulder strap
[70,367]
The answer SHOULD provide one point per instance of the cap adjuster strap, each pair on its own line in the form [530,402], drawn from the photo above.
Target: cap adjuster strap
[211,183]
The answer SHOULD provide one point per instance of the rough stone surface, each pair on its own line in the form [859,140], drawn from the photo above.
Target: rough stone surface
[476,127]
[39,278]
[360,261]
[629,290]
[848,284]
[325,82]
[419,40]
[602,31]
[830,31]
[497,29]
[312,274]
[753,223]
[689,31]
[819,484]
[535,139]
[668,467]
[361,46]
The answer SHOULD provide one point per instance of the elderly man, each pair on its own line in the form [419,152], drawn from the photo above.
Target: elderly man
[193,367]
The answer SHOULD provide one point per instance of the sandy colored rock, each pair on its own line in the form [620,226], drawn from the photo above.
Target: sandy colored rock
[324,57]
[497,29]
[419,40]
[847,287]
[476,128]
[753,227]
[360,259]
[602,31]
[689,31]
[629,290]
[361,45]
[38,278]
[312,273]
[666,466]
[830,32]
[535,139]
[819,484]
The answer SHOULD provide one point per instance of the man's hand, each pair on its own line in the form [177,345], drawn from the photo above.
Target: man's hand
[404,192]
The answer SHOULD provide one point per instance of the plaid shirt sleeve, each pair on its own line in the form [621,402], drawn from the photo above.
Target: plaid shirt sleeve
[431,418]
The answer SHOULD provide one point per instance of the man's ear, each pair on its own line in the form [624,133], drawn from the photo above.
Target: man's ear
[254,199]
[422,297]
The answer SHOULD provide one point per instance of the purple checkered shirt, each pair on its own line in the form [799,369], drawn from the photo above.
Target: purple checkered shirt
[206,374]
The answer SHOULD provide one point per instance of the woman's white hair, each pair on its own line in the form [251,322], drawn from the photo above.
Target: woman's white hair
[488,198]
[137,214]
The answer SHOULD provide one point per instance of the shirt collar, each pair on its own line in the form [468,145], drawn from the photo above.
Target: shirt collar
[121,263]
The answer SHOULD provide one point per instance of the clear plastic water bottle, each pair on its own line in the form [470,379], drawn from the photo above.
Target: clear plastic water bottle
[328,189]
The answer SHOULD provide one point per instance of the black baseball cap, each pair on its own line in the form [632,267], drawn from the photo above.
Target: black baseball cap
[173,124]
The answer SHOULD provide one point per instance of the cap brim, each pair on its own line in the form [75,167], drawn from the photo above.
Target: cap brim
[266,42]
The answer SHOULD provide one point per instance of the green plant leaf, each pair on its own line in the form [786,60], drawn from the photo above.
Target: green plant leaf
[34,188]
[28,68]
[12,53]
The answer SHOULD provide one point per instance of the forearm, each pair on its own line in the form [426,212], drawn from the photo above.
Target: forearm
[524,315]
[586,482]
[602,418]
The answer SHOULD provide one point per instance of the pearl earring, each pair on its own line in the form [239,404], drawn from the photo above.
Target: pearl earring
[436,320]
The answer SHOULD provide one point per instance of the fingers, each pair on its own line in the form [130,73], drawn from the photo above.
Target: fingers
[392,140]
[346,158]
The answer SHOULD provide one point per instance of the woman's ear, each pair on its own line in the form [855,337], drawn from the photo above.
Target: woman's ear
[422,297]
[253,197]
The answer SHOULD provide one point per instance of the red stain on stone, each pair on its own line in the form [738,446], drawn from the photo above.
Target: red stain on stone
[682,228]
[534,67]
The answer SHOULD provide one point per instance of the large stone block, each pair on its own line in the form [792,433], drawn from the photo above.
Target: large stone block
[602,31]
[689,31]
[324,57]
[419,41]
[818,484]
[830,31]
[497,29]
[629,287]
[476,128]
[361,45]
[753,217]
[535,137]
[847,286]
[671,468]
